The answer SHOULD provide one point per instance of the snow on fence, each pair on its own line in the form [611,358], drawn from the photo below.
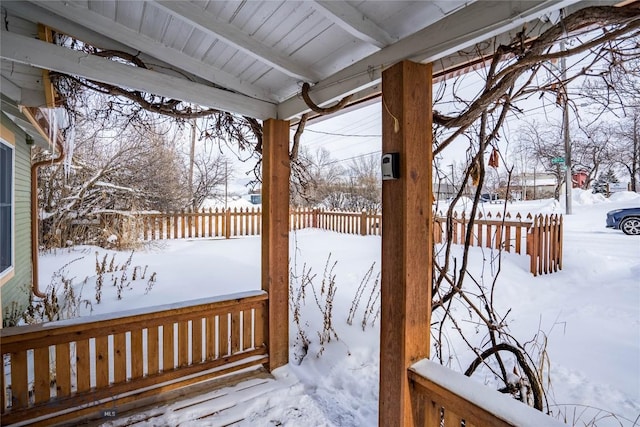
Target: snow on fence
[73,368]
[540,236]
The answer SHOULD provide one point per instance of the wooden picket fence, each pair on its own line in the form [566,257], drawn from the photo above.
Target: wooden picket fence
[489,231]
[544,244]
[540,237]
[74,368]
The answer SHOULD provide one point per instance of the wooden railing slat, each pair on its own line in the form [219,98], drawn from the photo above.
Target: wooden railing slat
[153,350]
[168,358]
[235,332]
[19,386]
[451,419]
[119,358]
[223,335]
[259,332]
[137,355]
[83,369]
[63,370]
[247,321]
[196,340]
[102,361]
[183,343]
[211,337]
[434,412]
[42,380]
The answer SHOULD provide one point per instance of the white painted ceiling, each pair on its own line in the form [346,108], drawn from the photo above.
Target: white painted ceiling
[252,57]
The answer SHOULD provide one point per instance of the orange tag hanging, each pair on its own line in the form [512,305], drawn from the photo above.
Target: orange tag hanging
[494,158]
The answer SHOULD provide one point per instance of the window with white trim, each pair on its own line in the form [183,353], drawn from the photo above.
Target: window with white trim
[6,206]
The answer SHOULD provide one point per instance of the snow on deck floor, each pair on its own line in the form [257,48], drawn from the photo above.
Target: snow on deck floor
[242,404]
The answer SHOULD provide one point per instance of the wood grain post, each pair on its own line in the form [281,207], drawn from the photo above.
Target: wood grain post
[275,238]
[407,236]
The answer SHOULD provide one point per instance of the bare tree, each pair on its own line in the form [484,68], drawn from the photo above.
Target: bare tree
[592,150]
[353,188]
[322,173]
[211,171]
[111,171]
[540,145]
[365,184]
[626,147]
[591,146]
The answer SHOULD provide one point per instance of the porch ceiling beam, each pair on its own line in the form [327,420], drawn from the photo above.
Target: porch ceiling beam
[470,25]
[354,22]
[11,90]
[209,23]
[22,96]
[48,56]
[137,41]
[34,13]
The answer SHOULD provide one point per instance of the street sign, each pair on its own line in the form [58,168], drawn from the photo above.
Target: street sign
[557,160]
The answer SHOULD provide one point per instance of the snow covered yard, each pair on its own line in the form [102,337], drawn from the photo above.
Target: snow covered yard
[589,311]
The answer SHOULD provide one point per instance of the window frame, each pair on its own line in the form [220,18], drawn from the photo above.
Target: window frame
[7,273]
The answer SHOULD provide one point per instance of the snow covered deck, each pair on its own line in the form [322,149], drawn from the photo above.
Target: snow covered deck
[234,400]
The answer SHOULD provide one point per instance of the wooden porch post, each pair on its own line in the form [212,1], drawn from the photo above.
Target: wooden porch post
[406,236]
[275,238]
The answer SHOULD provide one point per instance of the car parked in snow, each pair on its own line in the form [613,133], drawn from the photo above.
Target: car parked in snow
[491,198]
[627,220]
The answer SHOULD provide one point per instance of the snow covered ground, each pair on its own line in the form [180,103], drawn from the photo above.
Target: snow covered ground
[590,312]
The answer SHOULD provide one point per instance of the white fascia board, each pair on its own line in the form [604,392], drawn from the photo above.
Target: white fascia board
[209,23]
[48,56]
[153,48]
[470,25]
[12,110]
[354,22]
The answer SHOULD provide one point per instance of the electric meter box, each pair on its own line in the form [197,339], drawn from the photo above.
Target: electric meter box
[390,166]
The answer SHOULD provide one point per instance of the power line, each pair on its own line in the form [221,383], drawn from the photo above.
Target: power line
[343,134]
[353,157]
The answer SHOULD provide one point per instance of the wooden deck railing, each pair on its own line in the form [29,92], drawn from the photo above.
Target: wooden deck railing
[62,370]
[540,236]
[444,398]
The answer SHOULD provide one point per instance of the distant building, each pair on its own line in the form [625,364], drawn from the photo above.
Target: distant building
[579,179]
[534,185]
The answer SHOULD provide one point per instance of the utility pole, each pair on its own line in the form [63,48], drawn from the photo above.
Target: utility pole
[634,160]
[226,184]
[192,161]
[567,142]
